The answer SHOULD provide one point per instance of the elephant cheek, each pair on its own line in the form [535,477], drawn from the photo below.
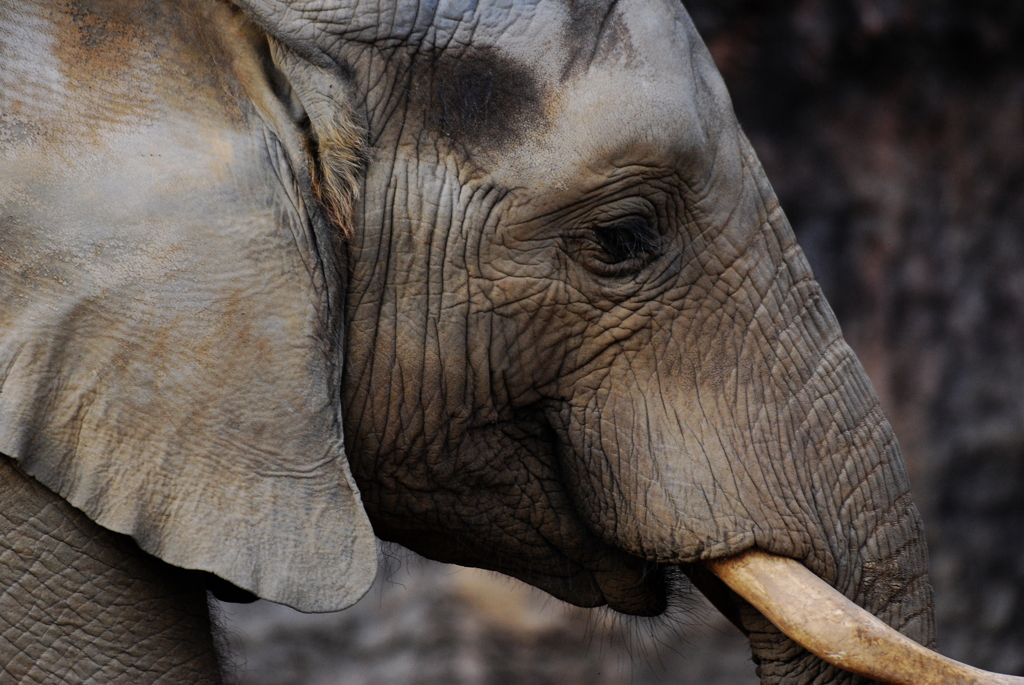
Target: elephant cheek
[706,470]
[647,484]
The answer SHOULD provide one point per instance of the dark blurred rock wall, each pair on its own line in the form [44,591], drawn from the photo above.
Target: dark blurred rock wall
[893,132]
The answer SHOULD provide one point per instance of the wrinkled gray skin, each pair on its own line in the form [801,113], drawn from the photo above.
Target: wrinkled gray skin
[579,340]
[82,604]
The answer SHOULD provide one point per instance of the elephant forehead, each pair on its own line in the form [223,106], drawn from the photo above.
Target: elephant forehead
[641,89]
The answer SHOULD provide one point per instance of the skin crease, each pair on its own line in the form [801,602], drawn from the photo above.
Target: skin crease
[580,342]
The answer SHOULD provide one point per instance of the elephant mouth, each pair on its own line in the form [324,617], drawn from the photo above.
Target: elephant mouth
[596,576]
[623,583]
[636,587]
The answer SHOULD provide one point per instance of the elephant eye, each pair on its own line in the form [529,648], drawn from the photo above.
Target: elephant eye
[617,249]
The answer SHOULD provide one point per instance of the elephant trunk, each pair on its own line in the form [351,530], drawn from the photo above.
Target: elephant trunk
[865,539]
[856,527]
[804,630]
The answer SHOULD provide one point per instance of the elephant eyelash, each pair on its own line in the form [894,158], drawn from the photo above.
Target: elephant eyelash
[617,249]
[629,239]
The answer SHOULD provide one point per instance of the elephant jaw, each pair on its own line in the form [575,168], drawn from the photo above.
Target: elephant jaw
[599,575]
[820,619]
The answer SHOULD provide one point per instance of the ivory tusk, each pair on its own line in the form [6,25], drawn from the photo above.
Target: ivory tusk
[816,616]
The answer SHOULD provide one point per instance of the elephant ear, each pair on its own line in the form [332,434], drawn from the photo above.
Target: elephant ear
[170,297]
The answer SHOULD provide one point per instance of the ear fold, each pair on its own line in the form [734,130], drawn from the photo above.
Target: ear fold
[170,305]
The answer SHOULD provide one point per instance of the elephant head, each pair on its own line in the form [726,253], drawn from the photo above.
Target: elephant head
[503,281]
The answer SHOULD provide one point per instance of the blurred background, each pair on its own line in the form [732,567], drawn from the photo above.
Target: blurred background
[893,132]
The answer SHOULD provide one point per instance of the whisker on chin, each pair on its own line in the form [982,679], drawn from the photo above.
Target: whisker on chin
[647,639]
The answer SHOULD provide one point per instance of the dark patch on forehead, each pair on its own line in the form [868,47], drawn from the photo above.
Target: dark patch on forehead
[477,98]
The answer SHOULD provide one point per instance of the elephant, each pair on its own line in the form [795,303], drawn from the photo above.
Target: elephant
[500,281]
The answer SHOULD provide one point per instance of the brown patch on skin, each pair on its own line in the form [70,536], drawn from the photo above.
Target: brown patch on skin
[616,43]
[121,65]
[102,53]
[476,98]
[594,32]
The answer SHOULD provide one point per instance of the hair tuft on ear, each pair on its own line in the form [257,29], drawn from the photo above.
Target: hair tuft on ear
[340,158]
